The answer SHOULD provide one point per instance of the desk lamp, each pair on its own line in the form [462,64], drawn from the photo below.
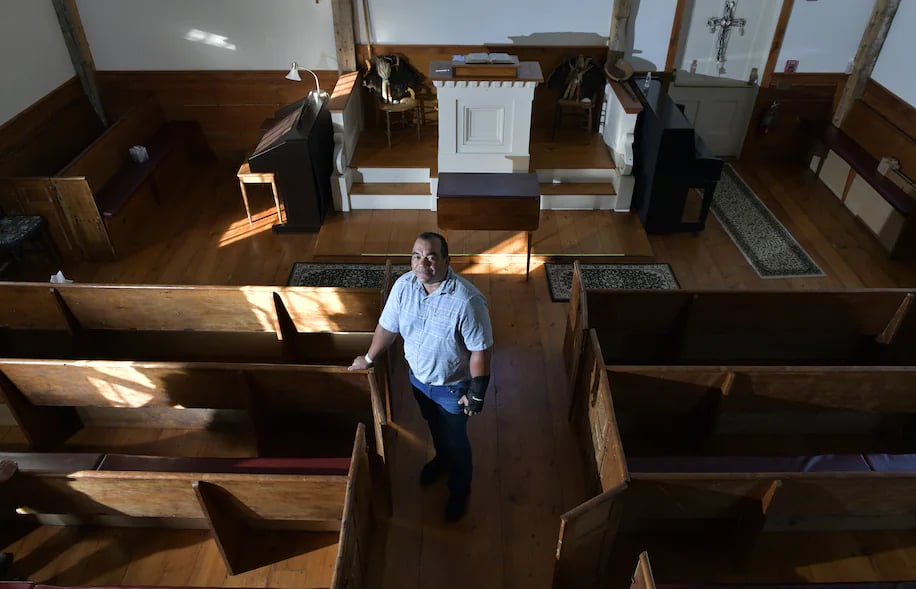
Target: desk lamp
[294,76]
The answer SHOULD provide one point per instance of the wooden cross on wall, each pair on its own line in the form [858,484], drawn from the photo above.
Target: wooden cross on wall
[724,24]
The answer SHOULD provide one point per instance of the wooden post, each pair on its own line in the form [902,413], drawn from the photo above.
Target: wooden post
[617,39]
[872,40]
[675,40]
[344,35]
[776,45]
[72,28]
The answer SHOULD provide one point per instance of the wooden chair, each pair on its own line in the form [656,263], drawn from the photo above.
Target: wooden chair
[579,107]
[406,106]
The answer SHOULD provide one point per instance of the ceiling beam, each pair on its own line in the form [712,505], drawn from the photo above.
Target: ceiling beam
[71,26]
[872,40]
[776,44]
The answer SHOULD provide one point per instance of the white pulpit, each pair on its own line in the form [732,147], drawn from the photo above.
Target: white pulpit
[485,122]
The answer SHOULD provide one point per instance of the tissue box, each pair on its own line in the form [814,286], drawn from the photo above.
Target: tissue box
[138,154]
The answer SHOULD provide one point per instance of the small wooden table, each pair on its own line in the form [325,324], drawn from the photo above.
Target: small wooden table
[490,201]
[246,176]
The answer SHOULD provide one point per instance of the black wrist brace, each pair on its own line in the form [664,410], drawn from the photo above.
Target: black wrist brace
[476,393]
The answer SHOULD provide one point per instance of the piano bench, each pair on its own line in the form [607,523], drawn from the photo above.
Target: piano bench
[246,176]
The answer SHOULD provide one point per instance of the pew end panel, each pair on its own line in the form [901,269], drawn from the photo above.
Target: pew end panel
[357,529]
[642,576]
[576,323]
[586,539]
[594,421]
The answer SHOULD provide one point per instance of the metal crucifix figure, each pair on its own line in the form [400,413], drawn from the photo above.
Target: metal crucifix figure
[724,25]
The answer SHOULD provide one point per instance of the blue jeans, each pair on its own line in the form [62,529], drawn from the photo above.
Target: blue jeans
[450,438]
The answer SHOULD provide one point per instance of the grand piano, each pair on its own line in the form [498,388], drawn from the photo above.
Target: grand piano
[299,149]
[669,158]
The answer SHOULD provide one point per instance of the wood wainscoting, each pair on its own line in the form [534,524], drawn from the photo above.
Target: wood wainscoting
[885,126]
[802,98]
[231,106]
[40,140]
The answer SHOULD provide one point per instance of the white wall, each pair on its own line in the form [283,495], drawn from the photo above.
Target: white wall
[824,35]
[895,66]
[744,51]
[208,34]
[473,22]
[37,60]
[652,33]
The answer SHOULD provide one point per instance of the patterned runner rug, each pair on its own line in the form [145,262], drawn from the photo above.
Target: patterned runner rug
[623,276]
[342,275]
[765,242]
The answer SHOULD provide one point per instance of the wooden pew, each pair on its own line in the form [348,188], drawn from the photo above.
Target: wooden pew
[95,210]
[183,322]
[309,325]
[644,578]
[739,496]
[53,399]
[764,409]
[239,504]
[823,327]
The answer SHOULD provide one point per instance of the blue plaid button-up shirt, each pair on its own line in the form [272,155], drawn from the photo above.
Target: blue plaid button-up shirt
[440,329]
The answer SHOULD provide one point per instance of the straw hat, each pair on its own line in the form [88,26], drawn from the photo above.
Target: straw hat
[620,71]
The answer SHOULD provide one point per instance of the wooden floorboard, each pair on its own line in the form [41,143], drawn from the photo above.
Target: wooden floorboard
[527,465]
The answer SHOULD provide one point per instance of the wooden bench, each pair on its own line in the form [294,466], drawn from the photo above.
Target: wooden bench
[282,406]
[305,325]
[643,578]
[851,173]
[241,502]
[763,409]
[657,496]
[842,327]
[101,196]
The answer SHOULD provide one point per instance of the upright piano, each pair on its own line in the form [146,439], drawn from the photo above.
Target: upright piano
[669,158]
[299,149]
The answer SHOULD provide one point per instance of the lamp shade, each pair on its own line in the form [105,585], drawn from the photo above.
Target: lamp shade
[294,73]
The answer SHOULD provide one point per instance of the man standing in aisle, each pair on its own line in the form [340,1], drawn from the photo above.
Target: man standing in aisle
[445,324]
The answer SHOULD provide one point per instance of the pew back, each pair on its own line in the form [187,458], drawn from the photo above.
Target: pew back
[835,327]
[52,399]
[234,506]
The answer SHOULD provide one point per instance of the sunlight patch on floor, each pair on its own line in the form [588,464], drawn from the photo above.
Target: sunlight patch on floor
[242,229]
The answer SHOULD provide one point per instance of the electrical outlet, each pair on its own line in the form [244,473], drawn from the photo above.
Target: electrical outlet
[791,66]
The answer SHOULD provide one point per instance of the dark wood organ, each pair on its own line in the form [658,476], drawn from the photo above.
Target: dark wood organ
[669,159]
[299,149]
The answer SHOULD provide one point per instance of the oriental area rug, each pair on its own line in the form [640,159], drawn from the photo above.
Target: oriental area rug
[342,275]
[765,242]
[623,276]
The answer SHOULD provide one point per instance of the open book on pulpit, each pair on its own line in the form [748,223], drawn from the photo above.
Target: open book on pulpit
[494,58]
[485,65]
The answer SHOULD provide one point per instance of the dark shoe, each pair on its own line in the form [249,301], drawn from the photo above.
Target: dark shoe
[456,507]
[6,559]
[431,472]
